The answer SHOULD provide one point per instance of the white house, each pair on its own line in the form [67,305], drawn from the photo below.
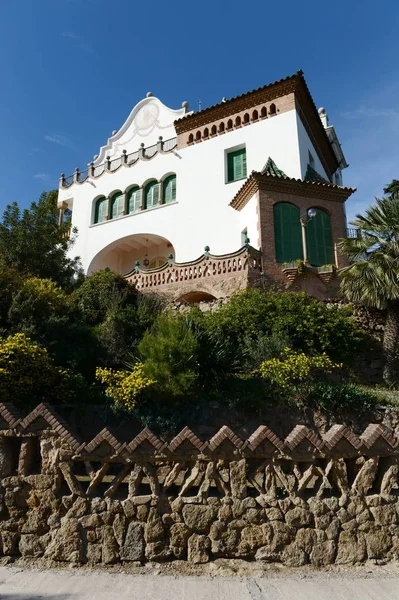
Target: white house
[237,178]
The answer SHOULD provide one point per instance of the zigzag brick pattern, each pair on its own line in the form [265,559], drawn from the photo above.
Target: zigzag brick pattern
[309,498]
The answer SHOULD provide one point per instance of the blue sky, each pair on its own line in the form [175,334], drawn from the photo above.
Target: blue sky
[72,70]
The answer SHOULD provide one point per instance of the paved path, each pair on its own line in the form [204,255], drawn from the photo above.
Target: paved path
[21,584]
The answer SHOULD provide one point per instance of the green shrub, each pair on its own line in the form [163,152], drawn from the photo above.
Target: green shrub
[101,292]
[338,397]
[29,376]
[296,368]
[169,354]
[310,325]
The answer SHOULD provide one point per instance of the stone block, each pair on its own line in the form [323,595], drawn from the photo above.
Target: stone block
[299,517]
[378,543]
[198,549]
[293,556]
[323,553]
[197,517]
[133,546]
[351,548]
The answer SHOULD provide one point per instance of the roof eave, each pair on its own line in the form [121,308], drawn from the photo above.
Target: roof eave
[260,181]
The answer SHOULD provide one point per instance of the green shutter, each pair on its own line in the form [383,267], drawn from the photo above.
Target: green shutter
[117,205]
[151,194]
[319,239]
[287,232]
[236,165]
[100,212]
[134,200]
[169,189]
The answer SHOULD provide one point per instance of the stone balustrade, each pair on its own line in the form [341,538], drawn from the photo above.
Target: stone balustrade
[308,498]
[217,275]
[112,165]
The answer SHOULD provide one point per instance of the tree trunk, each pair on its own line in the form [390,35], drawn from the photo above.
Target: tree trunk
[391,343]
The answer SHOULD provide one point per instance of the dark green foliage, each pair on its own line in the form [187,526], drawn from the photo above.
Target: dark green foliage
[310,325]
[169,354]
[102,292]
[10,282]
[338,398]
[33,243]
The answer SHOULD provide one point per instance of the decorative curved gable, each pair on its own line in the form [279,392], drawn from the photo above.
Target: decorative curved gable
[149,119]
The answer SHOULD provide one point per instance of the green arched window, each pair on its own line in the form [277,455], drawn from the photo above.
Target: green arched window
[319,239]
[287,232]
[169,189]
[134,199]
[117,207]
[100,210]
[151,194]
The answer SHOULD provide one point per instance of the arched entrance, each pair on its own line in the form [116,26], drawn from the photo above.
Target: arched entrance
[196,297]
[150,250]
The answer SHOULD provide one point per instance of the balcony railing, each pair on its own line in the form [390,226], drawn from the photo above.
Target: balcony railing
[353,233]
[112,165]
[246,260]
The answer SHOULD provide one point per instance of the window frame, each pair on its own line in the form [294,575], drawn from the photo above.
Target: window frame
[96,220]
[169,179]
[151,185]
[134,190]
[230,153]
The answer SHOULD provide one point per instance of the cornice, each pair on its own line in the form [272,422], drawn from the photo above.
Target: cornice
[272,183]
[305,106]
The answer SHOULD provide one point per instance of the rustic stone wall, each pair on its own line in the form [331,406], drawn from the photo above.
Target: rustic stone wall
[305,499]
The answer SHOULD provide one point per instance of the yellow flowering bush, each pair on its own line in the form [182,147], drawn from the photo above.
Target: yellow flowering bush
[28,374]
[292,368]
[124,387]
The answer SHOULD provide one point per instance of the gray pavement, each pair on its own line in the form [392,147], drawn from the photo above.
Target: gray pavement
[25,584]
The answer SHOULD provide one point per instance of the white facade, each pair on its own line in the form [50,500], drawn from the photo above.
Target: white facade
[200,216]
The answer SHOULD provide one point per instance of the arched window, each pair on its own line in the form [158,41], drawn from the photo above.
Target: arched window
[213,130]
[157,262]
[100,210]
[246,118]
[263,112]
[206,132]
[229,124]
[151,194]
[272,109]
[238,121]
[190,139]
[255,115]
[319,239]
[117,207]
[134,199]
[287,232]
[221,127]
[198,136]
[169,189]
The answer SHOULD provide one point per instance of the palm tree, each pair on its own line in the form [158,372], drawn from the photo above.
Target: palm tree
[372,278]
[392,188]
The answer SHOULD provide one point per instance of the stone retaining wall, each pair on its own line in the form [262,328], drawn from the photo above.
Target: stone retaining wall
[306,499]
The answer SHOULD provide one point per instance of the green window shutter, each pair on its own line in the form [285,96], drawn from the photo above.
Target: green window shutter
[287,232]
[319,239]
[151,194]
[100,211]
[236,165]
[169,189]
[117,205]
[134,200]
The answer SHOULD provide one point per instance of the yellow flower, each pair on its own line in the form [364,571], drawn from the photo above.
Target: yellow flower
[124,387]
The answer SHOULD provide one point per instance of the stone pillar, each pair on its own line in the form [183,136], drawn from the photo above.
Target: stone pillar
[160,197]
[124,196]
[108,215]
